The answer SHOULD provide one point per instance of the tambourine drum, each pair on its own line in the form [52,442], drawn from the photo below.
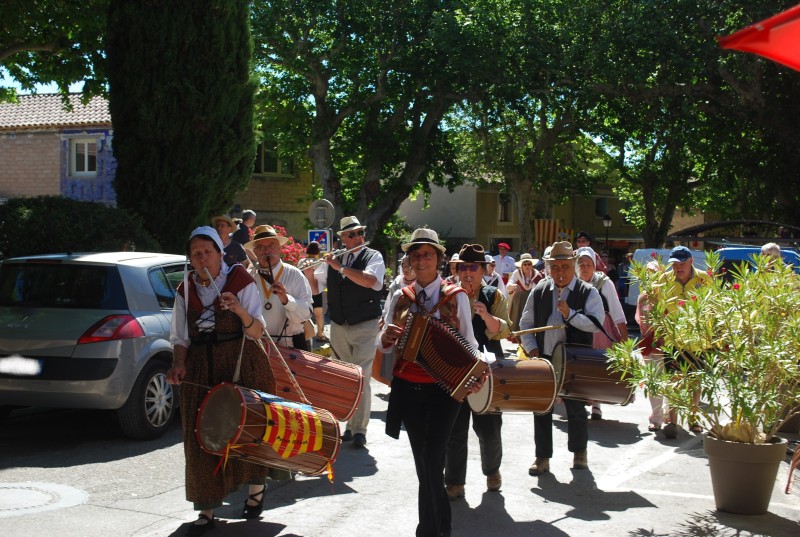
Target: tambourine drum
[587,377]
[519,386]
[260,428]
[326,383]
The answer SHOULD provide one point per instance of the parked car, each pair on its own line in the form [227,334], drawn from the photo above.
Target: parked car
[90,331]
[731,256]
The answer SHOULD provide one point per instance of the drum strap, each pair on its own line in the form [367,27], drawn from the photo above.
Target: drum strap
[603,330]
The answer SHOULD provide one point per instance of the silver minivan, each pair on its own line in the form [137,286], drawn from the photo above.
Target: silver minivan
[90,331]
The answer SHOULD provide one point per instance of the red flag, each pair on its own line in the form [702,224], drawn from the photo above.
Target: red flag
[776,38]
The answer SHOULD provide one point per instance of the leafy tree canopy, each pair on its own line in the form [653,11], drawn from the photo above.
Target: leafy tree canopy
[53,41]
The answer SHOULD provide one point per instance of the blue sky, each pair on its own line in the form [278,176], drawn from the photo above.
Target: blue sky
[41,88]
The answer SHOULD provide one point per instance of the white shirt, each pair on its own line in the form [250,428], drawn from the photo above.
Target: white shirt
[296,310]
[179,330]
[432,291]
[375,266]
[504,264]
[496,281]
[594,307]
[614,306]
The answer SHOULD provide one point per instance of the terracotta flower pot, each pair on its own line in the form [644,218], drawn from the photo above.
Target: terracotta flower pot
[743,475]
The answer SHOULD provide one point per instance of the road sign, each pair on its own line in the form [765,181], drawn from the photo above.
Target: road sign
[322,236]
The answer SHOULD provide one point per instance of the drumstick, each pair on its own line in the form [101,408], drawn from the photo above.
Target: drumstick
[213,283]
[539,329]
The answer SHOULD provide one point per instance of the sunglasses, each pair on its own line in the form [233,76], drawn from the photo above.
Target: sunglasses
[359,233]
[472,267]
[427,256]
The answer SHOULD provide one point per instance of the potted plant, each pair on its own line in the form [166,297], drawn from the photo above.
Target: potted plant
[745,327]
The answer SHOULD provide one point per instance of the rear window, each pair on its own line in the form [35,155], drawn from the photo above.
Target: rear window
[55,285]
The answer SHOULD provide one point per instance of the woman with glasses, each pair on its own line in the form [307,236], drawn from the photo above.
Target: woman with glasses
[490,325]
[416,401]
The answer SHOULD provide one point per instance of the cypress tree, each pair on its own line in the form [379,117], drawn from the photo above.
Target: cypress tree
[181,101]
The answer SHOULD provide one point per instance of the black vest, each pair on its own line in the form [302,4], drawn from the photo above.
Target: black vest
[576,300]
[486,295]
[349,302]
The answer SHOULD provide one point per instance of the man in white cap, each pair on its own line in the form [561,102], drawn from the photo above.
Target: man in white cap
[564,300]
[354,285]
[283,288]
[492,278]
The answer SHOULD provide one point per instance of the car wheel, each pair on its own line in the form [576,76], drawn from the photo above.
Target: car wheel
[151,406]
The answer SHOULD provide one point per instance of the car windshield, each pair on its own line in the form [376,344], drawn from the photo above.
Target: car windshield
[56,285]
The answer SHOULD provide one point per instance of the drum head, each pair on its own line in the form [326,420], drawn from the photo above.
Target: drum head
[479,402]
[220,417]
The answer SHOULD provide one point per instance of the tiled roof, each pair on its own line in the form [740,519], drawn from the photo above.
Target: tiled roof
[47,110]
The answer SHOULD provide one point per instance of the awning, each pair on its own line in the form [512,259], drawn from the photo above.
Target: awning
[776,38]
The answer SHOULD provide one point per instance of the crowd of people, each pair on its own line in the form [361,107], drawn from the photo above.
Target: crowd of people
[237,294]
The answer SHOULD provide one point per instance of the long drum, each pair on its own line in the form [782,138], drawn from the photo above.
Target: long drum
[260,428]
[587,377]
[519,386]
[326,383]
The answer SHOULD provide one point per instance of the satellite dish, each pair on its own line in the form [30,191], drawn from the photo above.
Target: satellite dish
[321,213]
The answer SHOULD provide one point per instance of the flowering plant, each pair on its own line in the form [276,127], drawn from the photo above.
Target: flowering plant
[744,331]
[291,252]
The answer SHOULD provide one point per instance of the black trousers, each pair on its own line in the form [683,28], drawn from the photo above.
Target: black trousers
[577,429]
[428,414]
[487,428]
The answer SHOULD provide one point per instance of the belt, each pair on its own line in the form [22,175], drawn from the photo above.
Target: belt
[213,338]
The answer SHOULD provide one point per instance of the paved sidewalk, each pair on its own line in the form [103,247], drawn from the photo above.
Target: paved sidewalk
[638,484]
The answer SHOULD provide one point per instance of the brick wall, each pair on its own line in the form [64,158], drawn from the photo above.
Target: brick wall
[30,164]
[279,200]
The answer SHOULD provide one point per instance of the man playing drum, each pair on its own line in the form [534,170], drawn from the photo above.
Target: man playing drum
[562,299]
[283,289]
[490,325]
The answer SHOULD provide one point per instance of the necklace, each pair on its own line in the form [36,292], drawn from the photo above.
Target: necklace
[268,292]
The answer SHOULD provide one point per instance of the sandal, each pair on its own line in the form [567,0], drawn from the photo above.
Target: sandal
[196,529]
[322,339]
[254,511]
[696,428]
[653,427]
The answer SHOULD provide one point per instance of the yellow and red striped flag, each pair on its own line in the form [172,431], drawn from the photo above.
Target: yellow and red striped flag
[292,428]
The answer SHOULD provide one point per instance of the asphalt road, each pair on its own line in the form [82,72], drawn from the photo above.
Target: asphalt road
[71,473]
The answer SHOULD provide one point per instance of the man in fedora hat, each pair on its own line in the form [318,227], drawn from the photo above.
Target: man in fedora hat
[490,326]
[283,288]
[234,252]
[565,300]
[354,282]
[416,401]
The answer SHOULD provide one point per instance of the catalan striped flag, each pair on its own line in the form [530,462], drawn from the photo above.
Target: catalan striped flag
[292,428]
[546,233]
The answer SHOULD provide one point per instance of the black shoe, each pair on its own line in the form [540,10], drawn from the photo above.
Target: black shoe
[359,440]
[254,511]
[196,529]
[347,436]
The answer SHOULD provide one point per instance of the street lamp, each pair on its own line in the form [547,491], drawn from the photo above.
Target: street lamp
[607,224]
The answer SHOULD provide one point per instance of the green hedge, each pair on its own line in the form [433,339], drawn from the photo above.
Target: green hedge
[54,224]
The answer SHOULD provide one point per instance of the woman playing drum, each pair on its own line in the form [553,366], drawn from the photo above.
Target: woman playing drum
[221,321]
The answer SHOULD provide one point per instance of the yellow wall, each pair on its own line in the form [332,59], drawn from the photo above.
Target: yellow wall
[281,200]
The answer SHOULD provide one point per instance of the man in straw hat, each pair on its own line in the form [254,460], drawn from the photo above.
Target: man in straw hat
[562,299]
[355,282]
[416,401]
[490,325]
[283,288]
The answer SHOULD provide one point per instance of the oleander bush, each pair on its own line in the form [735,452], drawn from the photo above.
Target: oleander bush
[745,328]
[55,224]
